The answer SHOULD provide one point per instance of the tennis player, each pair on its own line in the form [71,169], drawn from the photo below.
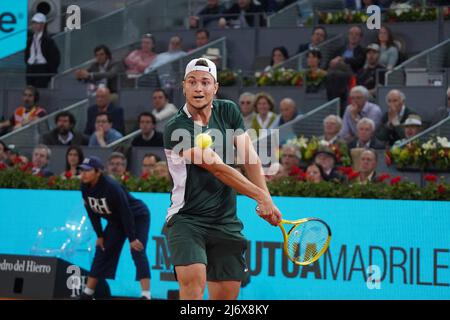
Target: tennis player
[204,233]
[127,217]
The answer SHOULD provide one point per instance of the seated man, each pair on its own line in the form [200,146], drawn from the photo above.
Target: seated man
[365,136]
[288,112]
[391,129]
[149,163]
[326,158]
[138,60]
[103,104]
[64,133]
[163,110]
[352,53]
[367,76]
[40,160]
[318,35]
[246,102]
[368,166]
[243,14]
[359,108]
[207,15]
[104,133]
[412,127]
[332,126]
[28,112]
[116,165]
[102,72]
[149,137]
[174,51]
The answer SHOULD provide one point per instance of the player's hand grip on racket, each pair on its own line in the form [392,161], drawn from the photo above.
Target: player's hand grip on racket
[137,245]
[100,243]
[268,211]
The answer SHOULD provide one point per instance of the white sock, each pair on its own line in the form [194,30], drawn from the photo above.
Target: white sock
[89,291]
[146,294]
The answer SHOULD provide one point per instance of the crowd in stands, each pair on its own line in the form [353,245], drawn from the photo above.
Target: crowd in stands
[352,73]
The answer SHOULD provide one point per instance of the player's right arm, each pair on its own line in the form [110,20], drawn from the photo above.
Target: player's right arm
[210,161]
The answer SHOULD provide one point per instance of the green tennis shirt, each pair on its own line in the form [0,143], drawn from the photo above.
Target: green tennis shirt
[197,194]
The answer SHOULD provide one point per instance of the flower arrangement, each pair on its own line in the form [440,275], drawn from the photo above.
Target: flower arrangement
[407,13]
[433,154]
[227,77]
[279,77]
[308,148]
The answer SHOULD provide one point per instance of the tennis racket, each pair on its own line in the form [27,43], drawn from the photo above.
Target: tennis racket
[305,240]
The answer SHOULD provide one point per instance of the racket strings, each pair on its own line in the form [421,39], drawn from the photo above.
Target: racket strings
[307,240]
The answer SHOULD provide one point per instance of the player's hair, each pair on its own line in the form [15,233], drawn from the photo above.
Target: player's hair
[202,62]
[104,114]
[34,91]
[263,95]
[104,48]
[115,155]
[80,155]
[163,92]
[71,117]
[147,114]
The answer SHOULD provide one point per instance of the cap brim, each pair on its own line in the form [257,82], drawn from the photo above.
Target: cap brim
[85,167]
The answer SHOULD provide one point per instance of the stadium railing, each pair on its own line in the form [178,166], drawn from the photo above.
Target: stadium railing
[424,64]
[30,135]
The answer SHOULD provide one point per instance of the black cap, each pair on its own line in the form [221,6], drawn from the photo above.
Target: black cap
[91,163]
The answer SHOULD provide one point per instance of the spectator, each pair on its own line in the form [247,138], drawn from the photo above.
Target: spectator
[64,133]
[391,130]
[315,76]
[279,55]
[315,173]
[318,35]
[243,14]
[368,165]
[12,155]
[326,158]
[161,170]
[163,110]
[359,108]
[214,55]
[41,158]
[201,38]
[412,127]
[443,112]
[367,76]
[290,158]
[104,133]
[206,15]
[174,51]
[265,117]
[103,104]
[138,60]
[117,165]
[41,53]
[246,104]
[103,72]
[365,135]
[332,126]
[148,137]
[270,6]
[288,112]
[149,163]
[352,54]
[388,49]
[28,112]
[74,157]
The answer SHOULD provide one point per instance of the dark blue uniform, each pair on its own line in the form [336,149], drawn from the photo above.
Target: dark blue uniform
[127,217]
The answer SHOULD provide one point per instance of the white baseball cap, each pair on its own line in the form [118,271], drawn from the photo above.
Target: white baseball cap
[39,18]
[193,65]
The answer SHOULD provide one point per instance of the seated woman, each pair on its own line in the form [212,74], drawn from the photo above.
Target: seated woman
[388,49]
[279,55]
[315,173]
[264,117]
[314,76]
[74,157]
[138,60]
[26,113]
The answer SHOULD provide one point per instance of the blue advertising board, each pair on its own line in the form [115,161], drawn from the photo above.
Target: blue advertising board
[406,243]
[13,26]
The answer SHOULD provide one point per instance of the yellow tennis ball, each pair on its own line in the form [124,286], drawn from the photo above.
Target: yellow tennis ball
[203,140]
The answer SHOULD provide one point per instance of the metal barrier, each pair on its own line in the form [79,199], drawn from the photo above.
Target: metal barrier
[433,59]
[124,142]
[29,135]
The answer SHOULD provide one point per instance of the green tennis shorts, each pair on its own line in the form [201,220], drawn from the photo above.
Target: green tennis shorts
[222,253]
